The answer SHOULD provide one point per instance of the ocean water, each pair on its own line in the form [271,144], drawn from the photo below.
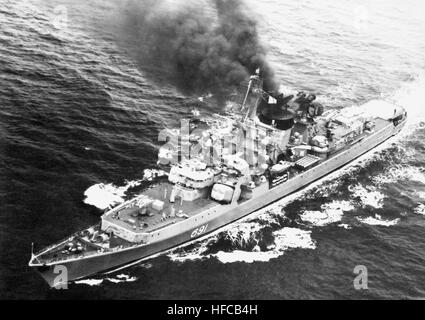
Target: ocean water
[79,120]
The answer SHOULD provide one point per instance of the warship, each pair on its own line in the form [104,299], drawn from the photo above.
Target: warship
[220,169]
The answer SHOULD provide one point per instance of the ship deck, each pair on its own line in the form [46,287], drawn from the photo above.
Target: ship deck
[143,224]
[379,124]
[129,218]
[149,224]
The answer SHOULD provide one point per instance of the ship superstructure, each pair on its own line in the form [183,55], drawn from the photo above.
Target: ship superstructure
[221,168]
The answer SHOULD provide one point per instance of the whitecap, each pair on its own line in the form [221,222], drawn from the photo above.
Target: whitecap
[246,256]
[378,221]
[284,239]
[122,278]
[420,209]
[330,213]
[239,234]
[399,173]
[243,233]
[188,255]
[420,194]
[293,238]
[97,282]
[104,196]
[90,282]
[345,226]
[368,196]
[150,174]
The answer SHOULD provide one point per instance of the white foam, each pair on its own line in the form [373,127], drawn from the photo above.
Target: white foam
[293,238]
[121,278]
[150,174]
[246,256]
[97,282]
[369,196]
[378,221]
[243,233]
[190,255]
[104,196]
[266,218]
[417,175]
[399,173]
[284,239]
[345,226]
[420,194]
[90,282]
[239,234]
[330,213]
[420,209]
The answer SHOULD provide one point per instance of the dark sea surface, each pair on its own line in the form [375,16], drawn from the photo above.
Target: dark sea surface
[79,121]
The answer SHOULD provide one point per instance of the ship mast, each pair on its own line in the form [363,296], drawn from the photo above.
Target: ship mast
[252,109]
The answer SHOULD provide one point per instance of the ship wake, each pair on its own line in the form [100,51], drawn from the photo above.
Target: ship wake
[120,278]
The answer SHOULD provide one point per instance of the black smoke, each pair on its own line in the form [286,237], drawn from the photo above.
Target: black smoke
[206,46]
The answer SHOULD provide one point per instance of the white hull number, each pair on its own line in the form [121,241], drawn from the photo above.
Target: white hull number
[198,231]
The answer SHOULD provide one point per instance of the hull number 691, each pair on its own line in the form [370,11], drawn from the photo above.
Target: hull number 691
[198,231]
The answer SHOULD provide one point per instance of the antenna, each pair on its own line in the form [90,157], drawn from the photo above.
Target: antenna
[33,257]
[255,77]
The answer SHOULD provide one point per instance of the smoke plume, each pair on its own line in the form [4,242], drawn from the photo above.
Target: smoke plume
[208,46]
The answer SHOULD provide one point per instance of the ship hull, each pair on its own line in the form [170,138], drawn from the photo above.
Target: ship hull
[108,261]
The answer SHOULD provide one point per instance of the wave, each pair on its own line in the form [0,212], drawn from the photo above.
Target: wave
[345,226]
[400,172]
[90,282]
[420,209]
[97,282]
[284,239]
[368,196]
[420,194]
[378,221]
[122,278]
[330,213]
[105,196]
[240,235]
